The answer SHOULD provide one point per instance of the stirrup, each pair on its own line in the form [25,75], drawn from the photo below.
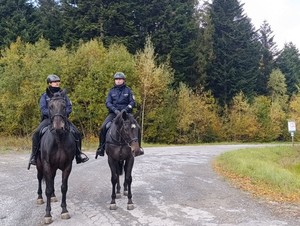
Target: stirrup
[99,152]
[32,161]
[79,159]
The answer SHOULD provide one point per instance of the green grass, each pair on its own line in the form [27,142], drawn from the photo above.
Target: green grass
[273,169]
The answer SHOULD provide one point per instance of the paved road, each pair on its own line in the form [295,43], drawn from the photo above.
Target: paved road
[171,186]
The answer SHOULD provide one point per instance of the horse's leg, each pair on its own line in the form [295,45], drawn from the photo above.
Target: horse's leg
[49,191]
[125,192]
[114,179]
[53,196]
[39,200]
[118,194]
[64,189]
[128,180]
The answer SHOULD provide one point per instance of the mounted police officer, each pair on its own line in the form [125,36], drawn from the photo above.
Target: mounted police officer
[119,97]
[53,82]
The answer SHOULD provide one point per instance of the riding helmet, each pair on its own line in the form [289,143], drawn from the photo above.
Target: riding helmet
[119,75]
[53,78]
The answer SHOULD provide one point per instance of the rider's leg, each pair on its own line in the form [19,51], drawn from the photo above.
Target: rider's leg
[36,142]
[102,134]
[141,152]
[101,147]
[79,156]
[35,147]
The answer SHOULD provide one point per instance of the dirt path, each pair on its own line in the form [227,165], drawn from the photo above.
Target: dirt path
[171,186]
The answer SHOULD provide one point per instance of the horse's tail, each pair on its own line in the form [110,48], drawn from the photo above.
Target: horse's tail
[120,167]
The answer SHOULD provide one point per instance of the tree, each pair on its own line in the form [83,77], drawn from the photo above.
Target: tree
[277,87]
[50,25]
[269,53]
[21,64]
[197,119]
[205,54]
[82,20]
[154,81]
[17,20]
[289,64]
[236,54]
[242,125]
[172,25]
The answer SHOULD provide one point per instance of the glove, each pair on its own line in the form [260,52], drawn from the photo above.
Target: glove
[128,109]
[116,112]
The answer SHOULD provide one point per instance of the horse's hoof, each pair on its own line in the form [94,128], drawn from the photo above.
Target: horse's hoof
[118,195]
[54,199]
[39,201]
[125,193]
[130,206]
[113,207]
[65,216]
[48,220]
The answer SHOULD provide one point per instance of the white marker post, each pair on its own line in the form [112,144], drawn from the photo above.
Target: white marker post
[292,129]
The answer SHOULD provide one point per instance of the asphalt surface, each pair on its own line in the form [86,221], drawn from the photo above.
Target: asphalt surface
[171,186]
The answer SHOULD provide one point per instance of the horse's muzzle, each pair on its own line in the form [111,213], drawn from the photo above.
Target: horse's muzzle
[135,148]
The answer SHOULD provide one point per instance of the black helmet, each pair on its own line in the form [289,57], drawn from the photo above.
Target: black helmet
[119,75]
[53,78]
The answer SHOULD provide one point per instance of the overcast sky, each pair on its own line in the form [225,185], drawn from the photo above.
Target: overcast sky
[282,15]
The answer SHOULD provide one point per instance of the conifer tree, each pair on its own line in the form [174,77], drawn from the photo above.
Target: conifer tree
[17,20]
[289,64]
[269,53]
[236,52]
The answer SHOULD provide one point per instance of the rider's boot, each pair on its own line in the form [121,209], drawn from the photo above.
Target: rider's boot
[80,157]
[100,150]
[32,159]
[141,151]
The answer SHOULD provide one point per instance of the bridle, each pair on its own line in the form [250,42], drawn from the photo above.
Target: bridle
[125,141]
[64,117]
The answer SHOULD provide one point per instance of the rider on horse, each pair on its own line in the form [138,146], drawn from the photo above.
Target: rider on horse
[119,97]
[54,81]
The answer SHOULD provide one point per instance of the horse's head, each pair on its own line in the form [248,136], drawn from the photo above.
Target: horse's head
[57,112]
[128,130]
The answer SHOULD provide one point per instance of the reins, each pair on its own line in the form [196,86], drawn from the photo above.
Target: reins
[115,141]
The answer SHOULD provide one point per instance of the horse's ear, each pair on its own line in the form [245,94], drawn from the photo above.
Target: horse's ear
[124,114]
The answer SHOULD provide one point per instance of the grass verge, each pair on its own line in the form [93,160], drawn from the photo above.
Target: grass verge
[271,172]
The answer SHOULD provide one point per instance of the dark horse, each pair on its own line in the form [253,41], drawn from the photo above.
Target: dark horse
[121,147]
[57,151]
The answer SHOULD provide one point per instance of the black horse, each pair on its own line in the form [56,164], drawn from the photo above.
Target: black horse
[122,146]
[57,151]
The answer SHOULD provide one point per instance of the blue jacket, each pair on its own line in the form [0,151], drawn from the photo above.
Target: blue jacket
[44,105]
[119,98]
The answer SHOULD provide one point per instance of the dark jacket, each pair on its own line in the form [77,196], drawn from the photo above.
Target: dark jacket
[119,98]
[44,105]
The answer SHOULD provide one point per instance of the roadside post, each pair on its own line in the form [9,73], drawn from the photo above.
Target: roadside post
[292,129]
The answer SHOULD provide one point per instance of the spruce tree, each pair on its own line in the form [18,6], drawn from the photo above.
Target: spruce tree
[268,54]
[236,54]
[289,64]
[50,25]
[17,20]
